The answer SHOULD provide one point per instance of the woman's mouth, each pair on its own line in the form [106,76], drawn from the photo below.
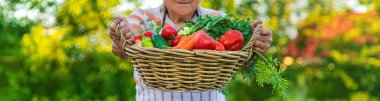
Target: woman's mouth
[184,2]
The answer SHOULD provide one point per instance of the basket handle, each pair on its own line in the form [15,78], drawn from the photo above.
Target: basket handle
[123,40]
[249,46]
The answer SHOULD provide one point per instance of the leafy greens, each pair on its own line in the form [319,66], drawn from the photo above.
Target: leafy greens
[216,26]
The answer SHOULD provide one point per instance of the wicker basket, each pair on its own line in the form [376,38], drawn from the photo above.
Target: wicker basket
[186,70]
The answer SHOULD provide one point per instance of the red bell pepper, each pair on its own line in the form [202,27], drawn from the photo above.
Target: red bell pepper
[138,37]
[148,34]
[175,41]
[168,31]
[219,46]
[203,41]
[232,40]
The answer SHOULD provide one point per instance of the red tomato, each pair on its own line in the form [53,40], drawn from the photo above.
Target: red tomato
[168,31]
[219,46]
[232,40]
[138,37]
[148,34]
[203,41]
[175,41]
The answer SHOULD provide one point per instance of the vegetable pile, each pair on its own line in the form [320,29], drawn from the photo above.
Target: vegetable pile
[221,34]
[232,40]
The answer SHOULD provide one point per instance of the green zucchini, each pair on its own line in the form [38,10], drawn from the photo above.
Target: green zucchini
[159,42]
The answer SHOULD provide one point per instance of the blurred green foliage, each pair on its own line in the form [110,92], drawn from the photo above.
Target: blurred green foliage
[335,56]
[70,60]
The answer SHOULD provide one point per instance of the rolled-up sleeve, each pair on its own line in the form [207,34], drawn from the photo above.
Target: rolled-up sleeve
[136,21]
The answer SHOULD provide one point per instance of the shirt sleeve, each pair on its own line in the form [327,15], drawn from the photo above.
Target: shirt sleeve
[137,21]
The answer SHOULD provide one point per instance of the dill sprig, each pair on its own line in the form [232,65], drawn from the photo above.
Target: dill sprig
[267,71]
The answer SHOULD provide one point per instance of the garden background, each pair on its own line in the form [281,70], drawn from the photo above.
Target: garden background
[60,49]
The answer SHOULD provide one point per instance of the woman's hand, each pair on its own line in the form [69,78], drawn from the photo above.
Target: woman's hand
[117,48]
[264,40]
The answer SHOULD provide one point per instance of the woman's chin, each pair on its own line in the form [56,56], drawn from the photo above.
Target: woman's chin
[184,11]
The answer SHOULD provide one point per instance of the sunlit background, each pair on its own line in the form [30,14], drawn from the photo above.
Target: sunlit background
[60,49]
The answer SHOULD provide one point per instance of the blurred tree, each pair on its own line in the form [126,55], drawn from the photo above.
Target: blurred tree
[12,29]
[68,61]
[344,52]
[73,60]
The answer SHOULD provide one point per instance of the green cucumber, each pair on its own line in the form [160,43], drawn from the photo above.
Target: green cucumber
[159,42]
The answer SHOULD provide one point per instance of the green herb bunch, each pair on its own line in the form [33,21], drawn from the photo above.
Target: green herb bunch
[266,70]
[216,26]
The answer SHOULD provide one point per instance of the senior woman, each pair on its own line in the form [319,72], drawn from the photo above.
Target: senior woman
[172,12]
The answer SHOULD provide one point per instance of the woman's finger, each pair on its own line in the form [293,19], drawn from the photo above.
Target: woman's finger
[123,24]
[263,45]
[255,23]
[129,41]
[128,35]
[261,51]
[265,39]
[125,30]
[113,36]
[258,43]
[112,26]
[115,49]
[266,32]
[118,51]
[116,42]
